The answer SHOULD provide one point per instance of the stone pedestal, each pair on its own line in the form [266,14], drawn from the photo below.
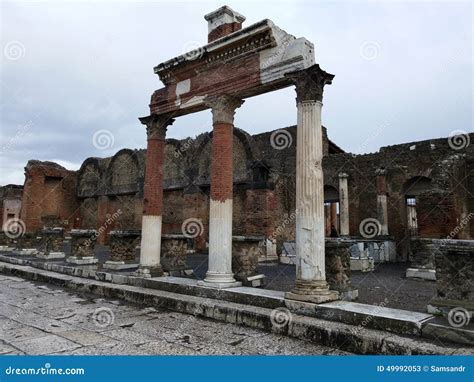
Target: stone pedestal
[422,258]
[174,251]
[122,249]
[360,259]
[338,267]
[82,247]
[26,244]
[51,244]
[246,251]
[311,284]
[454,263]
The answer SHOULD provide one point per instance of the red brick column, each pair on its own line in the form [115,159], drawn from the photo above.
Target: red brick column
[150,248]
[220,212]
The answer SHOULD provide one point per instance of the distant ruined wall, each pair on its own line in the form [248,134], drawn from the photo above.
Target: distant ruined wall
[439,176]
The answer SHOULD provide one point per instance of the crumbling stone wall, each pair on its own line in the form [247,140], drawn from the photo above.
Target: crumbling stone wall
[264,188]
[10,203]
[49,196]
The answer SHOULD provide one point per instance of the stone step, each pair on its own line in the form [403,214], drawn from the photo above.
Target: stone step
[278,320]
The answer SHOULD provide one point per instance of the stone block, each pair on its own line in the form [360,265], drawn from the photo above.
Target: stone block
[246,250]
[174,249]
[122,246]
[82,244]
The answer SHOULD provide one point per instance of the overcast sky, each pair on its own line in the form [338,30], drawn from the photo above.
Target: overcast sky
[70,70]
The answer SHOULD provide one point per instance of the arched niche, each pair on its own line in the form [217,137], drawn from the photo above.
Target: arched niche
[417,185]
[123,173]
[89,178]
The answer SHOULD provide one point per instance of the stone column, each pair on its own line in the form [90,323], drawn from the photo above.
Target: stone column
[334,215]
[219,273]
[343,204]
[382,215]
[150,265]
[311,285]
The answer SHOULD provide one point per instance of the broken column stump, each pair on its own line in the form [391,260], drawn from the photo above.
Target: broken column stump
[26,244]
[422,258]
[174,250]
[454,274]
[246,250]
[82,247]
[122,249]
[51,244]
[338,267]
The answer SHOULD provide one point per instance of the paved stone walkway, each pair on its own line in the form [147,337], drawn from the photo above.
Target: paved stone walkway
[36,318]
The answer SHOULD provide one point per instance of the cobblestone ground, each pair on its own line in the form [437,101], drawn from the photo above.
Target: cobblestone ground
[36,318]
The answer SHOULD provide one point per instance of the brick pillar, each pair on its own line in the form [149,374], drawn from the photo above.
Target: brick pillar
[343,204]
[219,272]
[150,265]
[382,209]
[222,22]
[311,285]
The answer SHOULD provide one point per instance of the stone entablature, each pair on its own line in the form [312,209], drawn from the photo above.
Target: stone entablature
[244,63]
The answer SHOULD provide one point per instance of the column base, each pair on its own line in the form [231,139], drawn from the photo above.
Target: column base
[88,260]
[50,255]
[316,292]
[220,280]
[148,272]
[118,265]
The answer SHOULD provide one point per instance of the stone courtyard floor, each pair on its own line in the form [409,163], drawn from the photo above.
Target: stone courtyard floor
[386,285]
[37,318]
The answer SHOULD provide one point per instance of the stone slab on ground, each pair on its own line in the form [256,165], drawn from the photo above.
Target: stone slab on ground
[419,273]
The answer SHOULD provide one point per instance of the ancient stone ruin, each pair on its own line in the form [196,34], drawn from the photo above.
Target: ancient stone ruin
[290,195]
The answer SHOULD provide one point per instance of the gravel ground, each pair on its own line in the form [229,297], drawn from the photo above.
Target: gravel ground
[387,285]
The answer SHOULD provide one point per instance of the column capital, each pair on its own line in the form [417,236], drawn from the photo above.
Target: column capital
[310,83]
[343,175]
[156,125]
[223,107]
[381,171]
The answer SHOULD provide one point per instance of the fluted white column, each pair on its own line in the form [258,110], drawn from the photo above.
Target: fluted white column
[343,204]
[311,285]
